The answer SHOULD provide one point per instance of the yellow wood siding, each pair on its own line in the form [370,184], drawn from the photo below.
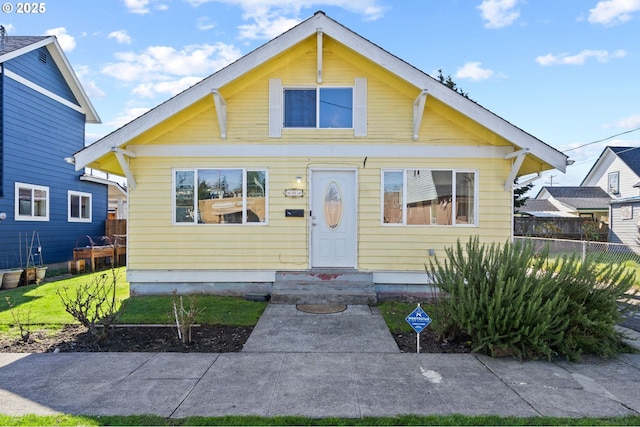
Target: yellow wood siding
[156,243]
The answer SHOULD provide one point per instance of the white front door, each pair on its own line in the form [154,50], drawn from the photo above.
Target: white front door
[333,218]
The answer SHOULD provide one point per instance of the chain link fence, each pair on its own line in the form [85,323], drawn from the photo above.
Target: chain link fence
[615,253]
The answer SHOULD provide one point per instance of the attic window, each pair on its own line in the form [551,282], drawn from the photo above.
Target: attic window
[42,56]
[319,108]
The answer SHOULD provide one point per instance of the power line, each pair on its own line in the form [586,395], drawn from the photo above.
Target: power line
[601,140]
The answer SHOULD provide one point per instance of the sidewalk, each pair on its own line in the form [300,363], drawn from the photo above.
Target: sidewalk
[268,379]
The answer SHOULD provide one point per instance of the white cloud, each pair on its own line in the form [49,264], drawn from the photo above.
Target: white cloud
[127,116]
[165,70]
[90,87]
[630,122]
[142,7]
[161,63]
[473,71]
[612,12]
[270,18]
[204,23]
[121,36]
[580,58]
[9,29]
[67,41]
[137,6]
[171,88]
[267,27]
[498,13]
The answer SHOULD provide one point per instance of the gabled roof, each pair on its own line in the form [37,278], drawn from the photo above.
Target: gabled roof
[629,155]
[542,209]
[422,81]
[15,46]
[580,198]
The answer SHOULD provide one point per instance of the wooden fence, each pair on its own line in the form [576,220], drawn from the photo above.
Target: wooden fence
[115,227]
[561,228]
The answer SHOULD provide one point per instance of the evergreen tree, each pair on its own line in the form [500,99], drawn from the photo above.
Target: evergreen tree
[519,198]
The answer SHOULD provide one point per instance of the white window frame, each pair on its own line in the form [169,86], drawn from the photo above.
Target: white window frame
[318,89]
[81,195]
[244,196]
[613,183]
[32,188]
[404,197]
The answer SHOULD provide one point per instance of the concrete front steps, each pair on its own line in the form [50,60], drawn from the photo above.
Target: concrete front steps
[326,286]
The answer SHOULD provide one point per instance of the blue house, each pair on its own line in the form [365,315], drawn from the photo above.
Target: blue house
[43,112]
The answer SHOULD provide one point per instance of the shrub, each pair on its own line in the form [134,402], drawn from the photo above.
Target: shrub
[595,291]
[512,300]
[94,304]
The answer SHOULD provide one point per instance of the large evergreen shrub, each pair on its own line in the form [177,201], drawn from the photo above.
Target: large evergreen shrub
[513,300]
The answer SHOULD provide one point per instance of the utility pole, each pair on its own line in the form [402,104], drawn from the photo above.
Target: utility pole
[551,180]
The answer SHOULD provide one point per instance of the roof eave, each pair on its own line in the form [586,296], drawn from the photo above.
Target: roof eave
[56,52]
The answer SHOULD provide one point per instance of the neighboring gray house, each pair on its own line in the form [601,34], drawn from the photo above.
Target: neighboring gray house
[617,171]
[585,202]
[624,222]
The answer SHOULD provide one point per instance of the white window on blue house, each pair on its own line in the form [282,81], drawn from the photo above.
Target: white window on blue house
[324,108]
[429,197]
[79,206]
[220,196]
[31,202]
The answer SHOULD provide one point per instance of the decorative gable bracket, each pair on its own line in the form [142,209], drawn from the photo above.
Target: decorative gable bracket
[418,111]
[221,111]
[515,167]
[319,39]
[124,164]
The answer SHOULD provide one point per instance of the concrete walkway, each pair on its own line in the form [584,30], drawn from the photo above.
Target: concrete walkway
[315,366]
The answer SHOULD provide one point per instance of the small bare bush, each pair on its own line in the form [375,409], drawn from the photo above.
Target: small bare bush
[22,320]
[94,304]
[185,317]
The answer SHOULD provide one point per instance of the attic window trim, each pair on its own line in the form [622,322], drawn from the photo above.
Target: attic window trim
[276,109]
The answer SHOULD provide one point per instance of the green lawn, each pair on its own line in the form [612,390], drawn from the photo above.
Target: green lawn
[407,420]
[40,305]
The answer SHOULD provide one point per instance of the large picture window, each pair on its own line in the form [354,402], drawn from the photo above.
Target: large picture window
[326,107]
[79,208]
[220,196]
[31,202]
[429,197]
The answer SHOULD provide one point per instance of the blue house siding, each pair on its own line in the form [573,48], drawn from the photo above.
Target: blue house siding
[37,134]
[45,74]
[1,133]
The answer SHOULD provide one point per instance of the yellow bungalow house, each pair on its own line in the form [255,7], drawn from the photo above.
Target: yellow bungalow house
[318,152]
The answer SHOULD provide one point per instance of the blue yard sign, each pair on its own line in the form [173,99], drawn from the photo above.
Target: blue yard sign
[418,319]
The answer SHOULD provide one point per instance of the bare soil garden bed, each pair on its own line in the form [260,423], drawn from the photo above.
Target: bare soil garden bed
[205,339]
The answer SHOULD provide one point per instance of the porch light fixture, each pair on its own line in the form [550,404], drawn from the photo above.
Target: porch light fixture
[298,179]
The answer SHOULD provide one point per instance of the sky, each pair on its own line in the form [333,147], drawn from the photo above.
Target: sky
[567,71]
